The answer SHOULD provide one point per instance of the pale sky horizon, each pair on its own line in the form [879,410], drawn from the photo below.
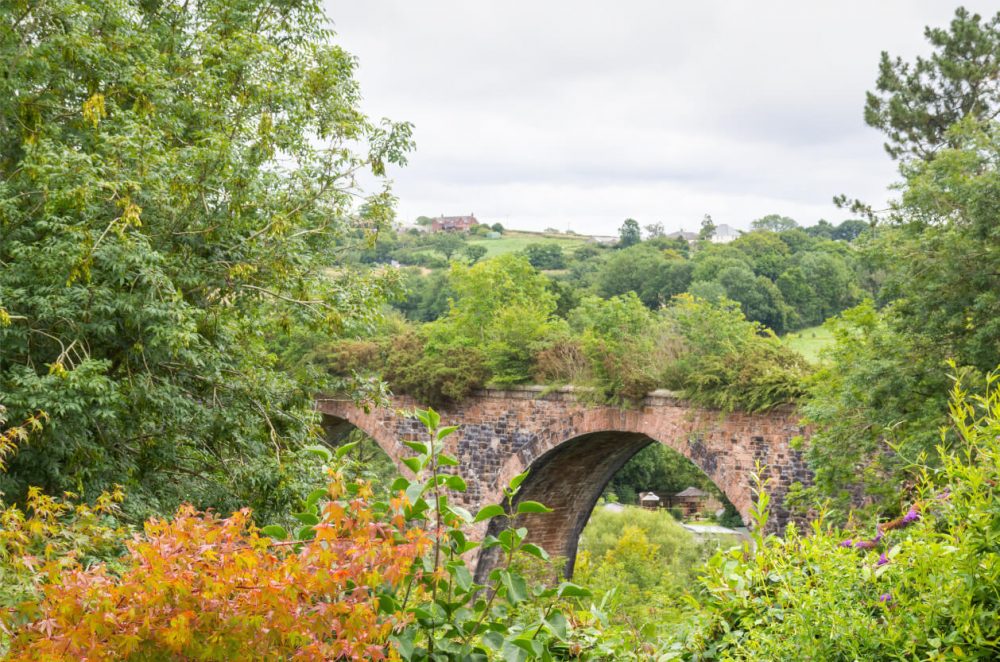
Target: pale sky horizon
[577,115]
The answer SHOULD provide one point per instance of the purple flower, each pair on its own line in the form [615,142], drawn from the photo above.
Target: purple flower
[882,560]
[912,515]
[847,543]
[885,598]
[864,544]
[878,536]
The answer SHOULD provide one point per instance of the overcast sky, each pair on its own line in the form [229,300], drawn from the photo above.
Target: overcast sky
[577,115]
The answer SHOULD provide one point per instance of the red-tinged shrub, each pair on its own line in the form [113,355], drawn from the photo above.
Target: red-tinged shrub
[202,587]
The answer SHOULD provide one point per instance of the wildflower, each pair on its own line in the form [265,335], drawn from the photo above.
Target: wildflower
[882,560]
[885,598]
[847,543]
[865,544]
[912,515]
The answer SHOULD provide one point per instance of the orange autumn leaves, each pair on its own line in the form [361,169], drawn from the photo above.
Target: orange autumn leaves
[202,587]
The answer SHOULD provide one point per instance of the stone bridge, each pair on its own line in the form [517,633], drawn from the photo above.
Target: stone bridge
[573,449]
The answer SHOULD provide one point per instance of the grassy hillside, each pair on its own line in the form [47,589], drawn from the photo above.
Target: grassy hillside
[513,241]
[809,342]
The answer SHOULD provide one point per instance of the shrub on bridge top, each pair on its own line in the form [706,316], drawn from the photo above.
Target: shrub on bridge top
[729,362]
[922,586]
[359,579]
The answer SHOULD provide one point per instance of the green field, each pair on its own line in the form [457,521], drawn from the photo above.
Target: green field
[809,342]
[513,241]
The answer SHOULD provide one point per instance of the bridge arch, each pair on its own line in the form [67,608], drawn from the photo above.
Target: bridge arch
[573,449]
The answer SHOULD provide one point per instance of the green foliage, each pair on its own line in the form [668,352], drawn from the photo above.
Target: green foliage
[642,563]
[650,273]
[505,307]
[625,345]
[774,223]
[434,369]
[882,385]
[869,422]
[174,194]
[446,243]
[729,362]
[474,252]
[545,256]
[629,233]
[916,104]
[919,587]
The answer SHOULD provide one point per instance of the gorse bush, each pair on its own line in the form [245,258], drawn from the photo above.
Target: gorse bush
[729,362]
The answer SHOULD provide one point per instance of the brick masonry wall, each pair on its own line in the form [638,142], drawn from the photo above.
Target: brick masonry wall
[574,449]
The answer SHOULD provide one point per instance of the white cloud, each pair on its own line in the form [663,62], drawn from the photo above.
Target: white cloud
[580,114]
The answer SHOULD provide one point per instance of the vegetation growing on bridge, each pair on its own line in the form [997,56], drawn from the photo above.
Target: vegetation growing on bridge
[503,329]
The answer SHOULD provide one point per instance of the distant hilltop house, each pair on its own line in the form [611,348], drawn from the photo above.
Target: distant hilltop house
[723,235]
[453,223]
[603,239]
[681,234]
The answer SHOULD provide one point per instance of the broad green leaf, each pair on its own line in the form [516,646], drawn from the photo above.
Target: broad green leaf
[321,451]
[535,551]
[557,624]
[532,507]
[456,483]
[463,578]
[447,461]
[446,431]
[417,446]
[315,496]
[275,531]
[342,451]
[306,518]
[488,512]
[571,590]
[516,481]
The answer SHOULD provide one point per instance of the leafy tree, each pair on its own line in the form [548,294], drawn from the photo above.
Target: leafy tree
[424,220]
[774,223]
[625,345]
[823,229]
[850,230]
[759,298]
[629,234]
[916,104]
[767,253]
[446,243]
[728,362]
[474,252]
[654,231]
[708,227]
[545,256]
[644,270]
[427,296]
[505,309]
[176,187]
[713,258]
[497,227]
